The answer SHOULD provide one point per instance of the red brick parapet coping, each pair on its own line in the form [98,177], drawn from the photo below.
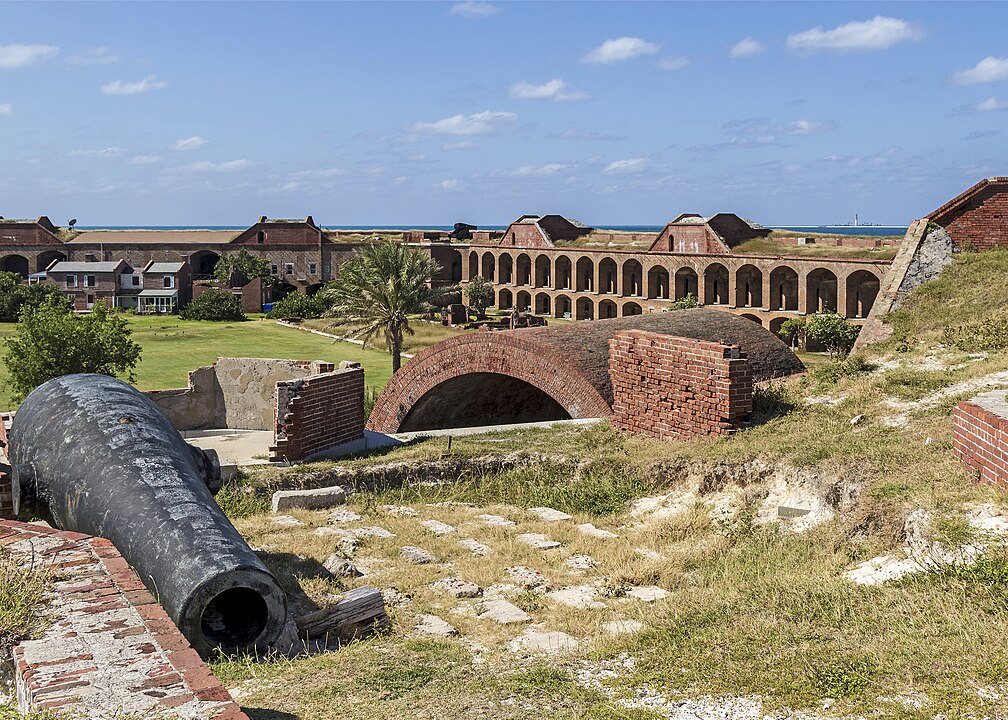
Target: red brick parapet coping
[980,436]
[673,387]
[111,650]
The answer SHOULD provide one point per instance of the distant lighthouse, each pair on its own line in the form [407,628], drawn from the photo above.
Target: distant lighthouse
[855,219]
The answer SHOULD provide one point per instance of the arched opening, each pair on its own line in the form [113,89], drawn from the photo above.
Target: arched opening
[506,269]
[543,306]
[633,279]
[542,271]
[585,309]
[523,301]
[585,275]
[455,266]
[631,308]
[607,309]
[479,399]
[607,278]
[15,264]
[504,300]
[685,283]
[45,259]
[775,327]
[783,289]
[562,276]
[202,264]
[716,285]
[750,316]
[821,291]
[523,270]
[488,266]
[473,264]
[562,307]
[658,283]
[862,289]
[749,287]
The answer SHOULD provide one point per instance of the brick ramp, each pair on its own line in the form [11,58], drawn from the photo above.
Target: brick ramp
[111,650]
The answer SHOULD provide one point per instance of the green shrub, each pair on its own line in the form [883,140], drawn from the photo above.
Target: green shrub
[480,295]
[685,303]
[216,305]
[793,332]
[831,372]
[836,334]
[296,305]
[842,677]
[979,336]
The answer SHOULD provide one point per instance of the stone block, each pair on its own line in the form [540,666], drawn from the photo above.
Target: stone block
[308,499]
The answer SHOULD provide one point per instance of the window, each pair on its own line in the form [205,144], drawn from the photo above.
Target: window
[260,237]
[71,281]
[136,281]
[312,269]
[289,268]
[273,269]
[90,299]
[89,281]
[169,281]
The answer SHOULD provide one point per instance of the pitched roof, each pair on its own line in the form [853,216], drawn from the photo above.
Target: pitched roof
[87,267]
[155,237]
[966,196]
[164,267]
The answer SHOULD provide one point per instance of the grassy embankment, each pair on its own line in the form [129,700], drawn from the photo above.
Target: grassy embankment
[753,611]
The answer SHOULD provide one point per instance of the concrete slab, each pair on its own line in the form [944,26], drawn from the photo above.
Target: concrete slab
[233,447]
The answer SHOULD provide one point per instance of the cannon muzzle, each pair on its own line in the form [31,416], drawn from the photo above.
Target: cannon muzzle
[104,460]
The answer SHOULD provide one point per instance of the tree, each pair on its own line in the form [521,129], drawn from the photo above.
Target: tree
[297,305]
[685,303]
[479,293]
[379,287]
[836,334]
[216,305]
[794,331]
[14,295]
[249,265]
[51,341]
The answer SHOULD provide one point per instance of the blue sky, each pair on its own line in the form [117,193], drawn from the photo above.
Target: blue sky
[431,113]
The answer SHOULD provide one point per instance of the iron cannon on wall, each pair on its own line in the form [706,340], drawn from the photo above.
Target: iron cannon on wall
[102,459]
[462,231]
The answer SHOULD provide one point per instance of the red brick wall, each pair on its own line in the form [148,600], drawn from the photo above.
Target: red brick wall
[979,217]
[980,440]
[674,387]
[694,239]
[318,413]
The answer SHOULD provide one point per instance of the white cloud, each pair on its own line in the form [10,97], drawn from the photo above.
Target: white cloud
[991,104]
[474,9]
[460,145]
[6,109]
[118,87]
[747,47]
[112,151]
[576,134]
[190,143]
[451,184]
[619,49]
[15,56]
[227,166]
[321,174]
[477,124]
[672,63]
[808,127]
[145,159]
[555,90]
[94,56]
[878,33]
[990,69]
[539,170]
[630,165]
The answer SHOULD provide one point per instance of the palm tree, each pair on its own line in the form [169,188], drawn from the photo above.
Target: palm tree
[379,287]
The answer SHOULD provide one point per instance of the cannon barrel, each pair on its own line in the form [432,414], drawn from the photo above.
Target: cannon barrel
[105,461]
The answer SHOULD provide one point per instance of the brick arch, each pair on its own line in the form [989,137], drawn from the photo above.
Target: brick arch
[501,354]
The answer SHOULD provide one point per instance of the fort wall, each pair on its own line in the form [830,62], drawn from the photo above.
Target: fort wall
[980,436]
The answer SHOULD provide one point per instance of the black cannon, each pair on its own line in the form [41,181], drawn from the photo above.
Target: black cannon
[462,231]
[104,460]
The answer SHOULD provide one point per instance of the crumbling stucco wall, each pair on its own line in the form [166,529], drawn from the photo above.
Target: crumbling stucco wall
[933,254]
[236,393]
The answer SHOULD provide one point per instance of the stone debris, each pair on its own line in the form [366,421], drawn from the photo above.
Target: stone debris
[647,593]
[437,527]
[856,420]
[622,627]
[348,542]
[552,643]
[649,554]
[341,567]
[580,562]
[287,521]
[501,611]
[457,588]
[433,625]
[528,578]
[579,597]
[417,556]
[477,548]
[395,598]
[400,510]
[592,531]
[549,514]
[378,532]
[538,541]
[343,515]
[496,521]
[308,499]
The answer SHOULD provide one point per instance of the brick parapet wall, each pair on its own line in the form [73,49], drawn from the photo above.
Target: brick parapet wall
[980,436]
[110,650]
[318,413]
[673,387]
[978,218]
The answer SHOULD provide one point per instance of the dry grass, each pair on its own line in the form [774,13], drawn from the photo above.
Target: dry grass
[22,600]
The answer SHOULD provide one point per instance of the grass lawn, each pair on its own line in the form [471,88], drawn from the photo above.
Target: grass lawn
[173,347]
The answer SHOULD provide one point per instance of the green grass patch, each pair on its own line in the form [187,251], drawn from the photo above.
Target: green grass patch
[22,600]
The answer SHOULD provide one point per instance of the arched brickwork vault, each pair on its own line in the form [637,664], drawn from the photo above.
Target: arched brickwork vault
[550,373]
